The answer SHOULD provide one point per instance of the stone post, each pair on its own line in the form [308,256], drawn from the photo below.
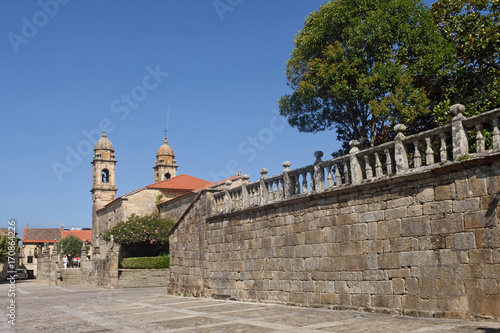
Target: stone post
[459,137]
[319,173]
[356,173]
[264,194]
[227,198]
[244,191]
[400,154]
[288,185]
[496,134]
[83,252]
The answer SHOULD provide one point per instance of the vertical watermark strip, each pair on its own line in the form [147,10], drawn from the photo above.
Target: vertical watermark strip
[12,271]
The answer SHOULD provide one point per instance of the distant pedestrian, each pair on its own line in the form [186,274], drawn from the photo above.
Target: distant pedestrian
[65,261]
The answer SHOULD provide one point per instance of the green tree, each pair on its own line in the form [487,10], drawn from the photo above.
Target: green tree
[360,65]
[142,236]
[473,75]
[4,248]
[72,245]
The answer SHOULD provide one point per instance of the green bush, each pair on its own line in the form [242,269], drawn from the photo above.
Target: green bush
[160,262]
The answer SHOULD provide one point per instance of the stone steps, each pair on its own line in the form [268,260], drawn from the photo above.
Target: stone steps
[71,276]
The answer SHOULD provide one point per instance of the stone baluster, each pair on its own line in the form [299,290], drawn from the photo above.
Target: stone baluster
[368,167]
[459,137]
[480,147]
[338,177]
[429,153]
[400,150]
[319,173]
[346,172]
[264,193]
[378,166]
[443,150]
[227,197]
[288,182]
[304,182]
[244,191]
[496,134]
[356,173]
[277,190]
[388,161]
[329,177]
[83,251]
[417,158]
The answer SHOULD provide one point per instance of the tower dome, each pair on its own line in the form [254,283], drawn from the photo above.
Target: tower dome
[165,150]
[104,143]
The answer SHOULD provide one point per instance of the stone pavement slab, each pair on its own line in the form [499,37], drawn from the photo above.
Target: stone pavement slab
[41,308]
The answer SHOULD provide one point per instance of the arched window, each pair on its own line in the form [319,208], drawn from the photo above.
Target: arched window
[167,175]
[105,176]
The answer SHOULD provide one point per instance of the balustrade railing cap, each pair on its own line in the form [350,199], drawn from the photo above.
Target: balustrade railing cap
[457,109]
[228,183]
[354,143]
[245,177]
[399,128]
[318,154]
[286,165]
[264,171]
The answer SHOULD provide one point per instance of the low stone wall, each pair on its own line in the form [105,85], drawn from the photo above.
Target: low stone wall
[143,278]
[423,244]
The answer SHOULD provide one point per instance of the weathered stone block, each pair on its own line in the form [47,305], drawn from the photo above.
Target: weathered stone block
[311,264]
[373,216]
[386,301]
[425,195]
[445,192]
[396,213]
[375,246]
[351,248]
[448,257]
[389,260]
[351,276]
[486,305]
[359,231]
[451,287]
[342,233]
[481,286]
[389,229]
[451,223]
[372,230]
[400,202]
[480,219]
[415,210]
[361,300]
[464,241]
[398,273]
[347,218]
[326,264]
[481,256]
[467,205]
[313,236]
[415,226]
[401,244]
[398,286]
[490,271]
[372,261]
[418,258]
[493,185]
[375,275]
[438,207]
[357,263]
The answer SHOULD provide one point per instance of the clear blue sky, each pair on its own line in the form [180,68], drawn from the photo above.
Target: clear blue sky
[69,68]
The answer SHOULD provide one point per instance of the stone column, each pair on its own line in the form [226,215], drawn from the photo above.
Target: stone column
[227,198]
[459,137]
[319,173]
[244,191]
[288,185]
[264,194]
[400,154]
[356,173]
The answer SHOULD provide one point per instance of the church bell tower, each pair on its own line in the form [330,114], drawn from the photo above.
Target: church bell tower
[165,167]
[103,180]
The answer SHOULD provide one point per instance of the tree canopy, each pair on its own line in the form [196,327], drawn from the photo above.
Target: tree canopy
[71,245]
[361,64]
[473,74]
[142,236]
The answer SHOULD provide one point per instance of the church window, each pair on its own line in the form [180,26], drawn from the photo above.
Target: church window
[161,161]
[30,259]
[105,176]
[167,175]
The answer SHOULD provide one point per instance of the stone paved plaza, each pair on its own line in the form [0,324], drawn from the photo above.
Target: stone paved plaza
[41,308]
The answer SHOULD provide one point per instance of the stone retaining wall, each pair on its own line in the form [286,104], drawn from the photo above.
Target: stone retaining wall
[423,243]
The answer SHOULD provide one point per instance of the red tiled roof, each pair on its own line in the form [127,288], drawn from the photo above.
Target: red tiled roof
[181,182]
[41,235]
[82,234]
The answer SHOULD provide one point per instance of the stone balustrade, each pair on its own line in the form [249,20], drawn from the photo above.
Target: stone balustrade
[406,154]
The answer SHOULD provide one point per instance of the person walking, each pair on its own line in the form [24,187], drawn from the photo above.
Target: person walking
[65,261]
